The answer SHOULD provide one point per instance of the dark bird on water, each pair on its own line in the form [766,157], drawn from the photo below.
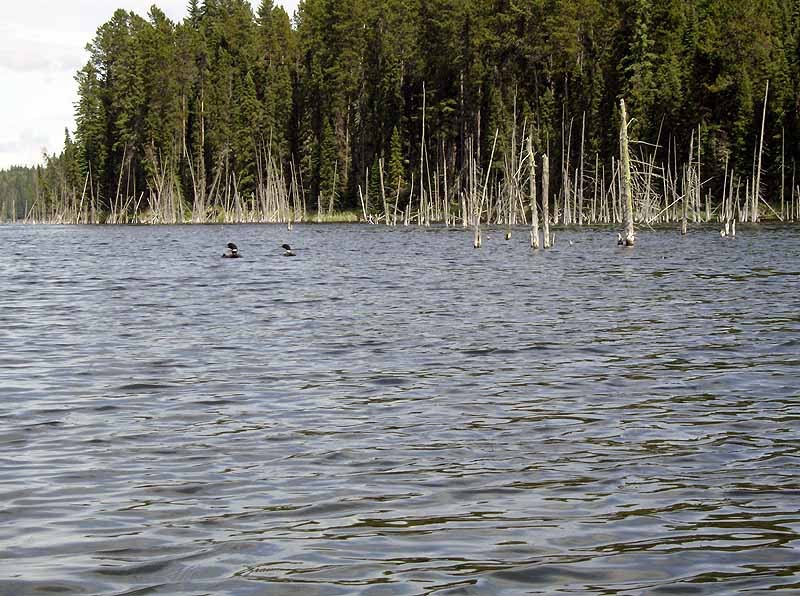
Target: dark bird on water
[620,241]
[288,250]
[232,252]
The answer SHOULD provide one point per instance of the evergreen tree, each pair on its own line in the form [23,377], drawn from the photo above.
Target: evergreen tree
[396,171]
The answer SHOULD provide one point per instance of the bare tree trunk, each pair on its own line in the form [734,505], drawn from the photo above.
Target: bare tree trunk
[534,207]
[546,199]
[580,181]
[594,194]
[383,191]
[422,162]
[794,198]
[757,183]
[625,165]
[783,164]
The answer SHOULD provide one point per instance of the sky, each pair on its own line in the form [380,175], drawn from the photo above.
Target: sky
[42,46]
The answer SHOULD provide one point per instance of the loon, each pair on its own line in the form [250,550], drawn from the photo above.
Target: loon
[232,252]
[288,251]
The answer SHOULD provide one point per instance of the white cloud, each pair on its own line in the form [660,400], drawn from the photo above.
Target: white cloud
[42,46]
[24,49]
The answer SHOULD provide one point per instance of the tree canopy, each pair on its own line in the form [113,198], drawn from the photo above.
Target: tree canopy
[191,114]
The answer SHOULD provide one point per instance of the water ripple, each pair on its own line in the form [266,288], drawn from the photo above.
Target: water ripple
[393,412]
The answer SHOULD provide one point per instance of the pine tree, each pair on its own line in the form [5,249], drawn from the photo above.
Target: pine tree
[396,171]
[637,65]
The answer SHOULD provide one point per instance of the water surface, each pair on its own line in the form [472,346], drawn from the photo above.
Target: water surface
[394,412]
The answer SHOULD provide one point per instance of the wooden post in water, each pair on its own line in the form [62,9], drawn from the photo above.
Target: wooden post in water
[534,207]
[546,199]
[625,173]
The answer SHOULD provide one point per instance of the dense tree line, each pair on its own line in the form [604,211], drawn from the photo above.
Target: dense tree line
[17,189]
[361,98]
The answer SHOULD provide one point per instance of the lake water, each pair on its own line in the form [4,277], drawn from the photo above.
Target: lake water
[395,412]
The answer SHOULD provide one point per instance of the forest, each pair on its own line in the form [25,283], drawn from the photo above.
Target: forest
[429,111]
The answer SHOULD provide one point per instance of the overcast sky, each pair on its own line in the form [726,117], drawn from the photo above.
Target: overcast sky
[41,48]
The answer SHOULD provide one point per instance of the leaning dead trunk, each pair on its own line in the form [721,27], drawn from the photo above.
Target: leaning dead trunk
[757,181]
[625,167]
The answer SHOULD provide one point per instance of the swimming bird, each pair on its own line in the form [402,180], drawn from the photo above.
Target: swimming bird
[288,251]
[620,241]
[232,252]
